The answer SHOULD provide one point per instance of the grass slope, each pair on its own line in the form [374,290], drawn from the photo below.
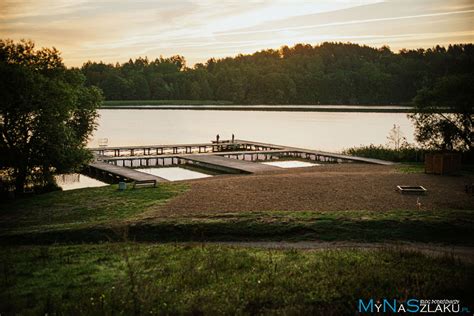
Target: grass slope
[83,207]
[97,214]
[130,278]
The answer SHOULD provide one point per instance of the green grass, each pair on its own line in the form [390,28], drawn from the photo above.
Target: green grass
[97,214]
[410,155]
[83,207]
[444,227]
[414,167]
[166,102]
[130,278]
[411,168]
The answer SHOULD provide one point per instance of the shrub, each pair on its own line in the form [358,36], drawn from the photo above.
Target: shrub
[403,154]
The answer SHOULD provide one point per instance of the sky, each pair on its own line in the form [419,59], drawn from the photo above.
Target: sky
[116,30]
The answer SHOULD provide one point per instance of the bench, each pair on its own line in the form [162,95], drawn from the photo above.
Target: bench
[143,183]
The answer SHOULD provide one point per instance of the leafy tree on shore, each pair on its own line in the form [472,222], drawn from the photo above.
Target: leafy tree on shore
[445,114]
[330,73]
[47,114]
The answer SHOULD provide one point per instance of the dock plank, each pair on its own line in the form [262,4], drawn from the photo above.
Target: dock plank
[235,164]
[323,153]
[138,147]
[275,149]
[125,172]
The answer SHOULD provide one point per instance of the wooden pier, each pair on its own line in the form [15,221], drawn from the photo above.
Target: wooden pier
[156,150]
[122,173]
[227,165]
[338,157]
[239,156]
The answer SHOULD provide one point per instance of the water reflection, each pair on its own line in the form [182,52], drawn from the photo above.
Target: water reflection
[270,107]
[77,181]
[174,173]
[315,130]
[290,164]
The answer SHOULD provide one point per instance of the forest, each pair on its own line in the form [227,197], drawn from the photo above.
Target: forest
[330,73]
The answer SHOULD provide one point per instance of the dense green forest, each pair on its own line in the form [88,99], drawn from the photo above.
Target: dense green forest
[330,73]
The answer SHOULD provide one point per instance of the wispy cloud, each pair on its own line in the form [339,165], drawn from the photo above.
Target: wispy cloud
[347,23]
[199,29]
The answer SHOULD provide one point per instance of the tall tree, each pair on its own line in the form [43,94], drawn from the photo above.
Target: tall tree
[47,114]
[445,113]
[330,73]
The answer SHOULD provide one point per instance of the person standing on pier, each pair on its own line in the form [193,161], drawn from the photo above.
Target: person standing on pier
[217,138]
[233,137]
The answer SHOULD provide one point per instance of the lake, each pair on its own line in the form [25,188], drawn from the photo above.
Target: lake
[331,131]
[77,181]
[174,173]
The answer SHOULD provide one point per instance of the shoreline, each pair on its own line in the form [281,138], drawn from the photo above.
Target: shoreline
[259,108]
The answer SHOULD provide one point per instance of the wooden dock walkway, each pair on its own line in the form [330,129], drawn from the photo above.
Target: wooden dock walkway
[321,153]
[240,156]
[343,157]
[174,149]
[223,164]
[124,172]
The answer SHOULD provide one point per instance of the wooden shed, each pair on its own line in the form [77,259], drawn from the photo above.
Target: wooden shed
[442,163]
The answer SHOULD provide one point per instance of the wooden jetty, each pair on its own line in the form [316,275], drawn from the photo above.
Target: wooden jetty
[226,156]
[155,150]
[226,148]
[338,157]
[228,165]
[123,173]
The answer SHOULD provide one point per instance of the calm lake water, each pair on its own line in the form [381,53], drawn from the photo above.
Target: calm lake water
[290,164]
[331,131]
[77,181]
[174,173]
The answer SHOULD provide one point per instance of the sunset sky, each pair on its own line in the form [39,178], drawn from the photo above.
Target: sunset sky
[116,30]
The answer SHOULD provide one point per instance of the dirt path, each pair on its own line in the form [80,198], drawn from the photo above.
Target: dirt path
[465,254]
[324,188]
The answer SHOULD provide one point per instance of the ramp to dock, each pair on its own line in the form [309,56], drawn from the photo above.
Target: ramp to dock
[124,172]
[223,163]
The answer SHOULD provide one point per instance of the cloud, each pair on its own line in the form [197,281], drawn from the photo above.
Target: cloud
[199,29]
[397,18]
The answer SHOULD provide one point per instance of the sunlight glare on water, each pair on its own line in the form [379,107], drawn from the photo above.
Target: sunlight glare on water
[330,131]
[77,181]
[290,164]
[174,173]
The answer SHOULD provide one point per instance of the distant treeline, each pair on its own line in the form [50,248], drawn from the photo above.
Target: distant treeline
[330,73]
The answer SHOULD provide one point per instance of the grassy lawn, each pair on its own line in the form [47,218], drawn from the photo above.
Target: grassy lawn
[447,227]
[83,207]
[142,278]
[127,278]
[98,214]
[411,167]
[419,167]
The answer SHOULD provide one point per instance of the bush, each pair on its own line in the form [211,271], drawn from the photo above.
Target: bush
[404,154]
